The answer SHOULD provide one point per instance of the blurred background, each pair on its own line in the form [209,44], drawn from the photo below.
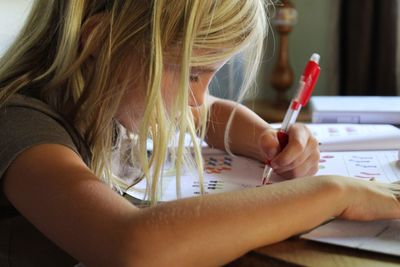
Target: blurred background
[358,42]
[12,17]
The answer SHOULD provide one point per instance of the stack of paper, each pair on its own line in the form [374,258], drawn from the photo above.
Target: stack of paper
[355,137]
[355,109]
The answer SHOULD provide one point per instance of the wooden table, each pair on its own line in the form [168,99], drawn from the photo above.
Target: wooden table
[299,252]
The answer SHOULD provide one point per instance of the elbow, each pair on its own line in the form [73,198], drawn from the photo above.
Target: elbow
[134,250]
[147,246]
[142,246]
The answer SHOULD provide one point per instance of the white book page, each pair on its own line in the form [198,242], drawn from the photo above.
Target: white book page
[376,236]
[223,173]
[351,137]
[340,104]
[381,166]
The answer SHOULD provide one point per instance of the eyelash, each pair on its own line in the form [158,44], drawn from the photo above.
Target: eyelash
[194,78]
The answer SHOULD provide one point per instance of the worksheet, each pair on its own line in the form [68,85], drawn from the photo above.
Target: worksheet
[382,166]
[224,173]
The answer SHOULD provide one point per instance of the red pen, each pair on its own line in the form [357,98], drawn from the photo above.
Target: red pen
[306,86]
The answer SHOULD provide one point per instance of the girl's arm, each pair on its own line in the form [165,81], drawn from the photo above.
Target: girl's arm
[245,132]
[52,188]
[251,136]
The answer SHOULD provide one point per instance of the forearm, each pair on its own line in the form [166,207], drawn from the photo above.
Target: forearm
[215,229]
[244,132]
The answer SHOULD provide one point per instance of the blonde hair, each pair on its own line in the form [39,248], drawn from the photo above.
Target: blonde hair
[49,61]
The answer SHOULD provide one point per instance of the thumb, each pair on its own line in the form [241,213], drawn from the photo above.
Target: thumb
[269,143]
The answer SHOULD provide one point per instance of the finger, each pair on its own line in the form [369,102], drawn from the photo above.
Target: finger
[293,164]
[294,151]
[396,193]
[395,189]
[311,163]
[307,168]
[269,143]
[297,154]
[299,136]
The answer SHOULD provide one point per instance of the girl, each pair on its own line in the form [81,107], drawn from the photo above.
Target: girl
[80,71]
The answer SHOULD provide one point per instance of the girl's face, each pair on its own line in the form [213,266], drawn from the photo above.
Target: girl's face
[132,106]
[199,77]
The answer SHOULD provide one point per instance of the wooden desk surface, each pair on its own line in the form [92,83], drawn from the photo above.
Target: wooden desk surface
[298,252]
[272,112]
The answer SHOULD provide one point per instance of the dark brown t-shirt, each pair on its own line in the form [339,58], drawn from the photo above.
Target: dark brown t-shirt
[26,122]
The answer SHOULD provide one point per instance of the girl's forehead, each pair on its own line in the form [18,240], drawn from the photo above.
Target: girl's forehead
[172,59]
[215,57]
[209,68]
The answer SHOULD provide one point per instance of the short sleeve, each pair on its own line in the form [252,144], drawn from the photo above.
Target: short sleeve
[22,128]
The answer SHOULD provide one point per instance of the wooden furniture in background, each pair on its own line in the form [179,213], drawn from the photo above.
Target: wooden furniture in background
[282,77]
[274,112]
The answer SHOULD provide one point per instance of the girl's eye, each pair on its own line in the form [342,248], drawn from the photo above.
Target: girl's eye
[194,78]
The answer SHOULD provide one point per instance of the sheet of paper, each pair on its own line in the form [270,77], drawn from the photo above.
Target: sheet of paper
[382,166]
[339,104]
[223,173]
[351,137]
[377,236]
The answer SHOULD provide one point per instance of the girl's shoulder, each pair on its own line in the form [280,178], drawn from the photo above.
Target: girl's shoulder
[26,121]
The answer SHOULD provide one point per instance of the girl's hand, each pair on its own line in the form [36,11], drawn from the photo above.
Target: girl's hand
[368,200]
[299,158]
